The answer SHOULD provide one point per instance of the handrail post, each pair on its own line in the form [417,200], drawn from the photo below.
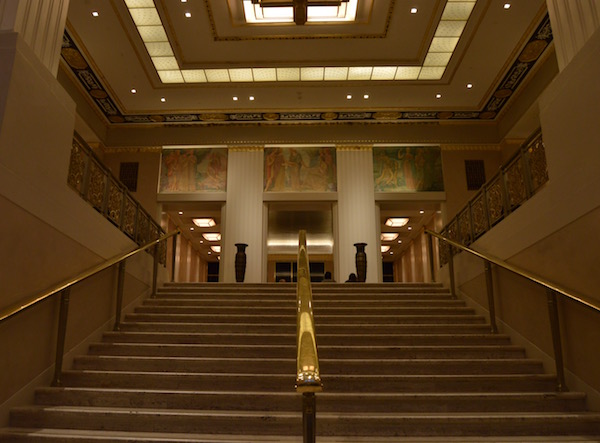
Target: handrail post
[489,283]
[62,333]
[173,258]
[309,417]
[154,271]
[120,286]
[430,253]
[451,271]
[561,386]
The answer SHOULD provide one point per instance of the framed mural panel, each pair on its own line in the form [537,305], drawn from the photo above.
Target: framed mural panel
[193,170]
[408,169]
[305,169]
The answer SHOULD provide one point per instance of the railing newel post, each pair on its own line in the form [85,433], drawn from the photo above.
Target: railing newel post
[154,271]
[120,287]
[489,283]
[561,385]
[61,336]
[174,257]
[431,258]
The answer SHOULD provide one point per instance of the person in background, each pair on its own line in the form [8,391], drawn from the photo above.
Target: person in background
[352,278]
[327,278]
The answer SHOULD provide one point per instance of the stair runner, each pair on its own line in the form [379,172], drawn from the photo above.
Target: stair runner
[216,362]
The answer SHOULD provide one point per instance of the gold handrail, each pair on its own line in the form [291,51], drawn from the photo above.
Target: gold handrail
[528,275]
[31,301]
[308,378]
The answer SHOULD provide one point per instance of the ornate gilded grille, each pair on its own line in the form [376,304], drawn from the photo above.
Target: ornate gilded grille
[517,181]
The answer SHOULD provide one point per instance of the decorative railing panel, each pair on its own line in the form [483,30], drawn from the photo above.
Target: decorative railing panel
[520,178]
[99,187]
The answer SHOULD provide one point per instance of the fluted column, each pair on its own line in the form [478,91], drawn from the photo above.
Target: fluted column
[244,213]
[356,211]
[40,23]
[573,23]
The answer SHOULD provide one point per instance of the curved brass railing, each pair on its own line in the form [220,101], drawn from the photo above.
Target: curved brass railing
[552,290]
[65,286]
[308,377]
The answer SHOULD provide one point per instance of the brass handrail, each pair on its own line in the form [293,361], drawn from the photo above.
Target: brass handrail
[528,275]
[29,302]
[308,377]
[552,289]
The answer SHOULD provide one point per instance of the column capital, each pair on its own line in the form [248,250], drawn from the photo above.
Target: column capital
[354,147]
[248,148]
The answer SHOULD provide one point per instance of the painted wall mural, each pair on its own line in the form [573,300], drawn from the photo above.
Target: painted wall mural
[193,170]
[300,170]
[408,169]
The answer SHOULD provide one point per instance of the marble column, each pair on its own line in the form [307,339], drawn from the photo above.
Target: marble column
[244,213]
[357,214]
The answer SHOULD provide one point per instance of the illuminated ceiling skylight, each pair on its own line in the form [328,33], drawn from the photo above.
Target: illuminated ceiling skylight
[212,236]
[447,35]
[272,12]
[204,222]
[396,222]
[389,236]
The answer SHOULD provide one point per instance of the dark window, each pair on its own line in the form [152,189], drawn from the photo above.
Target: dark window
[475,170]
[388,271]
[213,271]
[128,174]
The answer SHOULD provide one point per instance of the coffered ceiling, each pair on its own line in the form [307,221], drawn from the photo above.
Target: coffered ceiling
[170,71]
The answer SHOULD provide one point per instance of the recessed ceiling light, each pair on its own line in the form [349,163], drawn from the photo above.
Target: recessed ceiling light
[204,222]
[469,85]
[391,252]
[201,241]
[349,97]
[209,252]
[389,236]
[399,241]
[421,212]
[162,99]
[183,1]
[192,228]
[366,96]
[438,95]
[235,99]
[396,222]
[410,228]
[251,98]
[385,248]
[95,13]
[413,10]
[506,5]
[216,249]
[188,14]
[180,212]
[133,90]
[211,236]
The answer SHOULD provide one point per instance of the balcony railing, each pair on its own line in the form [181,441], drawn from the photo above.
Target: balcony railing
[517,181]
[101,189]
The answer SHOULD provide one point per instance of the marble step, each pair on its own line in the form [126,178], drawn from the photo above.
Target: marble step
[279,350]
[287,302]
[326,401]
[289,338]
[329,367]
[334,383]
[289,423]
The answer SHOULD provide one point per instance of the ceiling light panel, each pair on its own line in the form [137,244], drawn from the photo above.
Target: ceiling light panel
[216,249]
[389,236]
[396,222]
[212,236]
[204,222]
[385,248]
[449,30]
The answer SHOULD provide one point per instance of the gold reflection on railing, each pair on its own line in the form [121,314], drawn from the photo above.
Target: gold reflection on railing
[308,377]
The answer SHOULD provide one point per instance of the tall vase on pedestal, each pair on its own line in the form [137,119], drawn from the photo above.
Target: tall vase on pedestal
[240,262]
[361,262]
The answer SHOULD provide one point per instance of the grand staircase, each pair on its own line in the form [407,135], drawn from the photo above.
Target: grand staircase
[216,363]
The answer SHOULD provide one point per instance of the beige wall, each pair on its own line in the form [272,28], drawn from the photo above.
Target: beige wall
[455,181]
[554,234]
[50,233]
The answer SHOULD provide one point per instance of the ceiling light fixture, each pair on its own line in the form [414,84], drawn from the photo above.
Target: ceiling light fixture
[251,98]
[216,249]
[396,222]
[162,99]
[205,222]
[349,97]
[95,13]
[385,248]
[235,99]
[469,85]
[410,228]
[192,228]
[366,96]
[413,10]
[133,90]
[506,5]
[399,241]
[421,212]
[389,236]
[212,236]
[438,96]
[188,14]
[180,212]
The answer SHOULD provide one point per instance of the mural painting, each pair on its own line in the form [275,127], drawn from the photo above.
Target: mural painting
[408,169]
[193,170]
[300,170]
